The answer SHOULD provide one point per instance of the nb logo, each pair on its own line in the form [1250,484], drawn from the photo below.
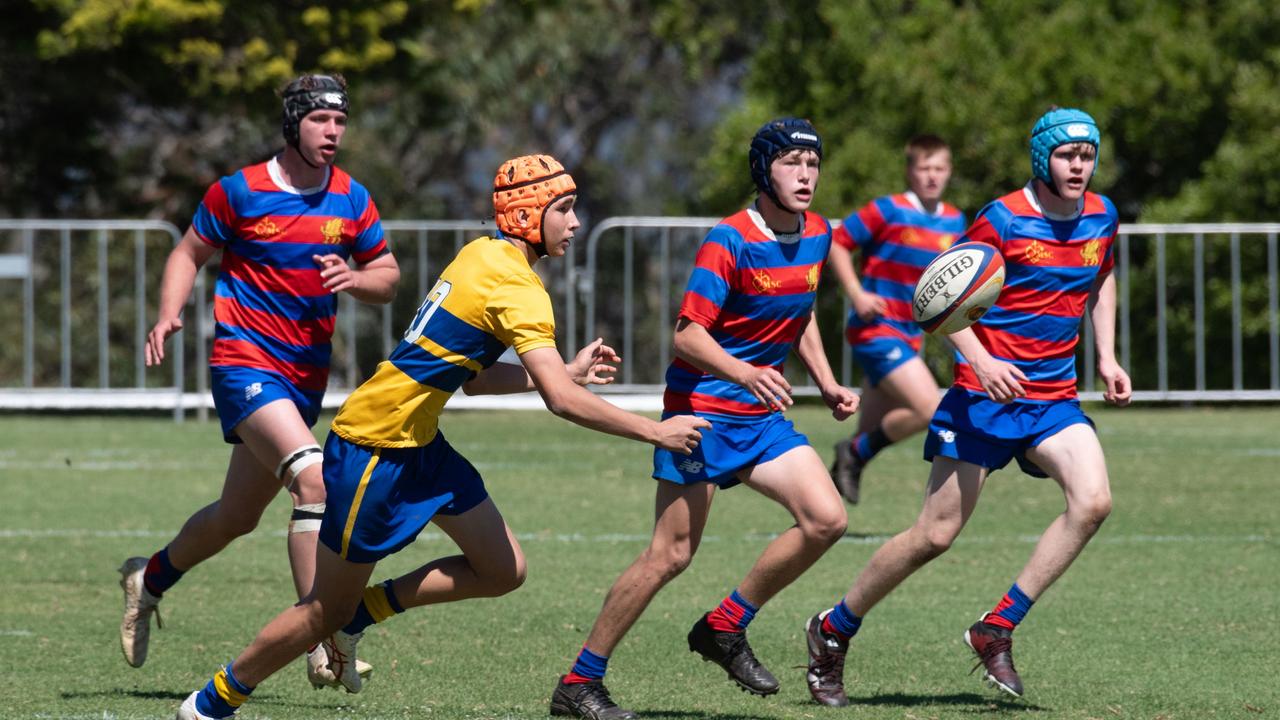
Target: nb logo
[947,436]
[894,354]
[693,467]
[252,391]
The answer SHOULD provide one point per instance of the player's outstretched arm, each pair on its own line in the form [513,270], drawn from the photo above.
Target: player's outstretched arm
[572,402]
[186,259]
[589,367]
[842,401]
[1000,380]
[696,346]
[373,282]
[1102,313]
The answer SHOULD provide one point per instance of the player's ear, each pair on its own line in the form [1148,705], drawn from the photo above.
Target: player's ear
[522,217]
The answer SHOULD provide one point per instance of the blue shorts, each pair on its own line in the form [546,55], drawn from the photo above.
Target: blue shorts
[975,429]
[727,447]
[881,356]
[379,499]
[238,392]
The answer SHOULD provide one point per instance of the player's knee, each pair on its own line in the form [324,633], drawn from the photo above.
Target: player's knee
[669,561]
[936,540]
[826,528]
[234,523]
[507,579]
[308,487]
[1093,509]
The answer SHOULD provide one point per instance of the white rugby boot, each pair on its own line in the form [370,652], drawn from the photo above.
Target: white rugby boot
[139,605]
[341,648]
[319,674]
[187,711]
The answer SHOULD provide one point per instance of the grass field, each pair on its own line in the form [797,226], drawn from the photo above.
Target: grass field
[1173,611]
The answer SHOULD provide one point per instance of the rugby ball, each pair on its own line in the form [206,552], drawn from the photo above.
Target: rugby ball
[957,288]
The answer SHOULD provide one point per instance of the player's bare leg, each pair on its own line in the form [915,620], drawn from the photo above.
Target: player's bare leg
[950,497]
[491,564]
[914,395]
[900,406]
[338,588]
[249,487]
[797,481]
[680,514]
[1074,459]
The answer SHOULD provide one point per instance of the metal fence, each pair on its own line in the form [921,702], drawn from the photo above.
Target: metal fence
[1172,335]
[1197,309]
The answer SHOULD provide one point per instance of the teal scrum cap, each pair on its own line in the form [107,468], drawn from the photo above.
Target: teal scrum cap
[1060,126]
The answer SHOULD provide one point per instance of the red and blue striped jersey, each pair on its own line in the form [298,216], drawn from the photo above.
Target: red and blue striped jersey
[270,305]
[896,240]
[1050,267]
[754,294]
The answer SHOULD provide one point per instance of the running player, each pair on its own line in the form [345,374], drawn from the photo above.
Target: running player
[896,236]
[286,229]
[1014,398]
[748,303]
[389,470]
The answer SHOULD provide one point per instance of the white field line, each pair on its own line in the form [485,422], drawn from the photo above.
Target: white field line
[613,538]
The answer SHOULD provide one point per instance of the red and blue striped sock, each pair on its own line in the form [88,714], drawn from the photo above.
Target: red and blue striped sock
[867,445]
[589,667]
[223,695]
[733,614]
[160,574]
[1011,609]
[841,622]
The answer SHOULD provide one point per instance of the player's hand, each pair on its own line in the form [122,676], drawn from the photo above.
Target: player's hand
[868,306]
[1119,388]
[335,273]
[770,388]
[1002,381]
[842,401]
[681,433]
[154,350]
[591,365]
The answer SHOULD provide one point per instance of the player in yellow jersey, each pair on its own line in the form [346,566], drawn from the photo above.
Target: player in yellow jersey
[388,469]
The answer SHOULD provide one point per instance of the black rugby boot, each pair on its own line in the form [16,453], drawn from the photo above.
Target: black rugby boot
[731,651]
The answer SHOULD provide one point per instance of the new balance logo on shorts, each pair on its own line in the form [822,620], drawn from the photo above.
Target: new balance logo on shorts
[692,467]
[947,436]
[894,354]
[252,390]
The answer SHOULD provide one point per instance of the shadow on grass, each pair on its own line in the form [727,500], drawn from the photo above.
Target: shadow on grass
[139,694]
[699,715]
[259,699]
[980,703]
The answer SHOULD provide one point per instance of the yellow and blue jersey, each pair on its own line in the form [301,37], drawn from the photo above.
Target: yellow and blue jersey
[486,300]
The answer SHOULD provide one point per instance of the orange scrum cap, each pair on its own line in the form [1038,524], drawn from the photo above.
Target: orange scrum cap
[523,190]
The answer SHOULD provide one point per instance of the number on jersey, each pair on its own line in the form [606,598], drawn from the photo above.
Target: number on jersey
[429,306]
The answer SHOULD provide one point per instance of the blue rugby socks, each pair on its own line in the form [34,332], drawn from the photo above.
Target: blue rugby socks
[379,604]
[589,667]
[1011,609]
[223,695]
[867,445]
[160,574]
[733,614]
[841,622]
